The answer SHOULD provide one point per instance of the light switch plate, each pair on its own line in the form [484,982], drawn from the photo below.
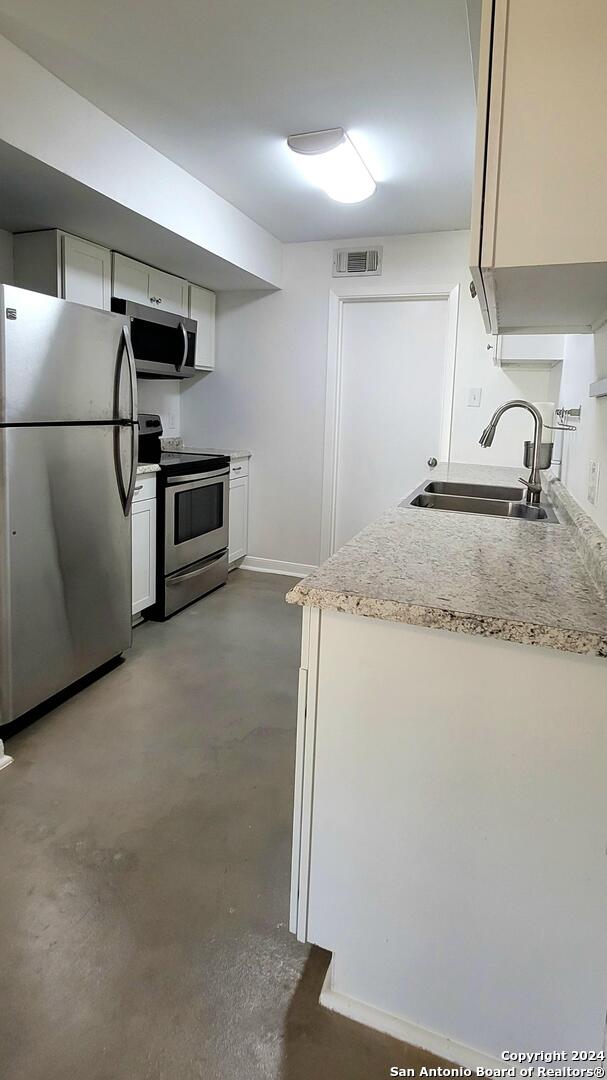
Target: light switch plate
[593,482]
[474,397]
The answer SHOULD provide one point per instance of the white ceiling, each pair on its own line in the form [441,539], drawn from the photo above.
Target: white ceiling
[217,85]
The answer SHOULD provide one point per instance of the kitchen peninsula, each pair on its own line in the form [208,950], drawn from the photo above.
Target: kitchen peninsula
[450,801]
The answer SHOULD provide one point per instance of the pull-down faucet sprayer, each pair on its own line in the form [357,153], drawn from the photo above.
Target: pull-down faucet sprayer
[534,483]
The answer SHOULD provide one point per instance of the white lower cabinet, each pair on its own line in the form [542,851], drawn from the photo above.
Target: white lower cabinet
[144,544]
[410,807]
[239,510]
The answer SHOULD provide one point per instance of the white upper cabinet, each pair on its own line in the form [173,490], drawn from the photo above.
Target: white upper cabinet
[539,227]
[529,350]
[168,292]
[86,272]
[133,280]
[53,262]
[202,308]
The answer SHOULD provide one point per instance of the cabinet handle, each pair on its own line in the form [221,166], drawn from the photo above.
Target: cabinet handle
[237,468]
[138,487]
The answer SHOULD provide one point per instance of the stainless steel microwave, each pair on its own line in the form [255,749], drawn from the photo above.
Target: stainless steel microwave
[164,344]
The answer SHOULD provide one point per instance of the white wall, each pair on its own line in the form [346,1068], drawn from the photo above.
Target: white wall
[585,362]
[6,257]
[46,119]
[161,396]
[267,393]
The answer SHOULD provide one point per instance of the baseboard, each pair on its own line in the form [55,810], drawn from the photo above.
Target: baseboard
[275,566]
[403,1030]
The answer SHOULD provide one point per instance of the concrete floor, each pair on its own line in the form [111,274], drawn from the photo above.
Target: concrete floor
[145,833]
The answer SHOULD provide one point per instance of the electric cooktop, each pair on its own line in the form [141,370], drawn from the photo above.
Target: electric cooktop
[180,464]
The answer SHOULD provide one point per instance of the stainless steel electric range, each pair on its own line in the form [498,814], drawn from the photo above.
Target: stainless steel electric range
[192,521]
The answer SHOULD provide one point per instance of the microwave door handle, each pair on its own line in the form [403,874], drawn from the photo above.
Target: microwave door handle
[179,366]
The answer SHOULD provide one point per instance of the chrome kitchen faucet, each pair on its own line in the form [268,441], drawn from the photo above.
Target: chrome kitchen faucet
[534,483]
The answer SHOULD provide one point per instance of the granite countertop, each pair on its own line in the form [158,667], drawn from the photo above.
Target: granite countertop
[497,577]
[177,444]
[232,454]
[147,467]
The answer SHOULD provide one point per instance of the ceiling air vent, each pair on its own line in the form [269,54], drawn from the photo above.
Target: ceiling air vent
[348,262]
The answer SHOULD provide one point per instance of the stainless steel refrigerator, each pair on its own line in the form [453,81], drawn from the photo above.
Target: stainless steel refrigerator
[68,461]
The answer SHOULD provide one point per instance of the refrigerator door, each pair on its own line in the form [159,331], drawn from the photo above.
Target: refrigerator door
[65,559]
[62,362]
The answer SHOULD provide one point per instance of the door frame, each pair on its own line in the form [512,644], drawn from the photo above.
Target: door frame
[350,294]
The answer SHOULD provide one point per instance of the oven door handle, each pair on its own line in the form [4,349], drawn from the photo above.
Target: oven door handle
[199,478]
[179,366]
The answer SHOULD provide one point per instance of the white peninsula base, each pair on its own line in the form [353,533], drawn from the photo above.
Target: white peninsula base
[450,835]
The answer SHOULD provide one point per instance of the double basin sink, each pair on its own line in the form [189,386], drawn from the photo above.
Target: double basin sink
[494,500]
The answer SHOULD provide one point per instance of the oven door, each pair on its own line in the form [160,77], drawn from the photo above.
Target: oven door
[196,518]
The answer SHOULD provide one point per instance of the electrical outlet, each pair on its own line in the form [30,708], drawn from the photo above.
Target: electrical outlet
[474,397]
[593,482]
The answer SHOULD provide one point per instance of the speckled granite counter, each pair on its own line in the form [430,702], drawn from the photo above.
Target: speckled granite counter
[177,444]
[498,577]
[147,467]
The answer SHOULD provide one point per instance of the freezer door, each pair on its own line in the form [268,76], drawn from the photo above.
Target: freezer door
[62,362]
[65,559]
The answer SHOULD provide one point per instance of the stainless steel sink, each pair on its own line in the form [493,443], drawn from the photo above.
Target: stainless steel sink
[475,491]
[483,499]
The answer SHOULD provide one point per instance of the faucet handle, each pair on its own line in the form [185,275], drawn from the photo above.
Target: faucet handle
[534,490]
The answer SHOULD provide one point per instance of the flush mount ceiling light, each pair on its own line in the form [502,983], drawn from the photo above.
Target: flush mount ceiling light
[331,161]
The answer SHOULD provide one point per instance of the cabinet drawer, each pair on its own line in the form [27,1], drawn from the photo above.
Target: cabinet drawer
[145,487]
[239,467]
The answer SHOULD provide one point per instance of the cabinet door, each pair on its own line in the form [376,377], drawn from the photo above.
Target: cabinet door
[86,272]
[239,518]
[144,554]
[168,292]
[202,308]
[131,279]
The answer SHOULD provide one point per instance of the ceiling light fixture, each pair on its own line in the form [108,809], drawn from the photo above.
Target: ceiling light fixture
[330,160]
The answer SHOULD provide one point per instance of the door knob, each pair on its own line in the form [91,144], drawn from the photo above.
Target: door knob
[432,462]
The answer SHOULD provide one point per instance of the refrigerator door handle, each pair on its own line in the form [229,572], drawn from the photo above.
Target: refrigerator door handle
[179,366]
[133,478]
[126,337]
[126,493]
[126,346]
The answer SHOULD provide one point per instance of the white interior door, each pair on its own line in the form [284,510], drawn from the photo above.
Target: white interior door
[391,392]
